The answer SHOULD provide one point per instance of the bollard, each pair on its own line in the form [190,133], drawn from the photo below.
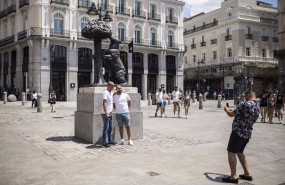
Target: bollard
[4,97]
[204,97]
[39,100]
[200,101]
[23,98]
[194,96]
[169,98]
[219,101]
[149,99]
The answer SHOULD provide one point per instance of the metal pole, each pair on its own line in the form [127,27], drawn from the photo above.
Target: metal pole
[26,75]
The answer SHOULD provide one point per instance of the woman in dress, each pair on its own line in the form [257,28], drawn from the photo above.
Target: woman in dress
[280,107]
[271,105]
[52,98]
[263,106]
[187,99]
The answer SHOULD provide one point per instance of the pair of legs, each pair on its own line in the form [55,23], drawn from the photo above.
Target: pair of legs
[186,111]
[123,119]
[107,129]
[34,103]
[158,106]
[280,114]
[176,104]
[128,129]
[270,114]
[263,111]
[52,107]
[163,108]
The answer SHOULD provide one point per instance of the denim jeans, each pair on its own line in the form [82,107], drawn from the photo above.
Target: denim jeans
[108,127]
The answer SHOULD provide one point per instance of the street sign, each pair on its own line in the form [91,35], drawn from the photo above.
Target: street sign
[229,82]
[228,85]
[246,82]
[250,75]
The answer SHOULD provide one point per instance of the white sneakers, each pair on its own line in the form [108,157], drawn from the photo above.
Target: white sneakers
[121,142]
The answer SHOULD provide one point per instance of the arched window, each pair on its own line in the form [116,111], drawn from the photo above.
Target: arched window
[153,36]
[121,32]
[170,38]
[84,22]
[137,34]
[58,24]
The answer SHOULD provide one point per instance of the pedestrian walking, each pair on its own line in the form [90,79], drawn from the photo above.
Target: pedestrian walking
[263,105]
[246,114]
[187,99]
[122,104]
[175,97]
[34,99]
[107,117]
[159,100]
[271,106]
[165,98]
[52,101]
[275,96]
[280,107]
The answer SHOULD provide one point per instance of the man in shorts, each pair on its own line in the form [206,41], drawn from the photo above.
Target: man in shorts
[122,104]
[175,97]
[246,114]
[159,100]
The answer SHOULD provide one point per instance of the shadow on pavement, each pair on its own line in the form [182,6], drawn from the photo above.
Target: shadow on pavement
[65,139]
[94,146]
[216,179]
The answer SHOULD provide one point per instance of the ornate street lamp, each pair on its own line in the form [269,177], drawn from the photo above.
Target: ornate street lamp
[97,30]
[199,74]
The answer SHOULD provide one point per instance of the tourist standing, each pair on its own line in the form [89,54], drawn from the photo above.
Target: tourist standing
[34,99]
[246,114]
[158,97]
[106,113]
[271,105]
[122,104]
[187,99]
[165,98]
[175,97]
[52,99]
[280,107]
[263,105]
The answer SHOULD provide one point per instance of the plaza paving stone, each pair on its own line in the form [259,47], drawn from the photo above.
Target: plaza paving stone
[40,148]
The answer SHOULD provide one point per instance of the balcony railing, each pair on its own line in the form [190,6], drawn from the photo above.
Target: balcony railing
[193,46]
[3,14]
[153,43]
[22,35]
[155,17]
[264,38]
[214,41]
[23,3]
[249,36]
[171,19]
[206,26]
[228,37]
[84,4]
[7,40]
[59,33]
[274,39]
[268,20]
[138,69]
[172,45]
[203,44]
[140,14]
[105,7]
[153,70]
[63,2]
[123,11]
[11,9]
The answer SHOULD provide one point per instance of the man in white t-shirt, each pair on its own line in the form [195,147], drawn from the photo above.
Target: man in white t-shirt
[106,113]
[122,104]
[159,100]
[175,97]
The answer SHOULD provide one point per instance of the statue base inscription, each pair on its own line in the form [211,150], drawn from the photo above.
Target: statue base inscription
[88,118]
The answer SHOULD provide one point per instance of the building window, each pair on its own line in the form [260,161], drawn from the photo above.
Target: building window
[193,40]
[170,12]
[137,7]
[153,36]
[203,38]
[170,38]
[204,56]
[58,22]
[229,52]
[121,32]
[137,60]
[214,55]
[228,31]
[152,11]
[248,53]
[194,58]
[264,53]
[121,5]
[194,27]
[229,14]
[248,30]
[204,24]
[137,34]
[84,22]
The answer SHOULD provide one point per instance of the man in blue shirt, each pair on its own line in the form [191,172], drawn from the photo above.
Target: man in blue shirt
[246,114]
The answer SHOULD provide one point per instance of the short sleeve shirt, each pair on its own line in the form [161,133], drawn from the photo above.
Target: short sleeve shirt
[109,103]
[121,102]
[159,96]
[164,96]
[246,114]
[176,95]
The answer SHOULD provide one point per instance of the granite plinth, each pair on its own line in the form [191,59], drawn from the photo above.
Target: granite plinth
[88,118]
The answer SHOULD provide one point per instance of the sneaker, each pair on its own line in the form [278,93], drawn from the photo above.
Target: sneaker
[175,116]
[130,143]
[281,121]
[106,145]
[112,143]
[121,142]
[163,115]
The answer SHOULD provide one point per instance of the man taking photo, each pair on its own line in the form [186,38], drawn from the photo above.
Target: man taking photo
[245,115]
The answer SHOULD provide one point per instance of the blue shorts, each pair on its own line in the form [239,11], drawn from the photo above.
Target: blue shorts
[123,119]
[163,105]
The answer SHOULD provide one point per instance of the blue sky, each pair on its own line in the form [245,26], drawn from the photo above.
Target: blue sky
[193,7]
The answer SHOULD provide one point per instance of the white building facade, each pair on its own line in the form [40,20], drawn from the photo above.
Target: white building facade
[42,38]
[235,40]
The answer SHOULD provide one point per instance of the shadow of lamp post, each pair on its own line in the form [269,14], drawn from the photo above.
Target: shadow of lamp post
[97,30]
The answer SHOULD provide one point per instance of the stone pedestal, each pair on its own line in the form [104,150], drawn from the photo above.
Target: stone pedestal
[88,119]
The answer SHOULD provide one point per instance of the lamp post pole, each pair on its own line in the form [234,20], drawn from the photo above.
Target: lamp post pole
[199,75]
[52,50]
